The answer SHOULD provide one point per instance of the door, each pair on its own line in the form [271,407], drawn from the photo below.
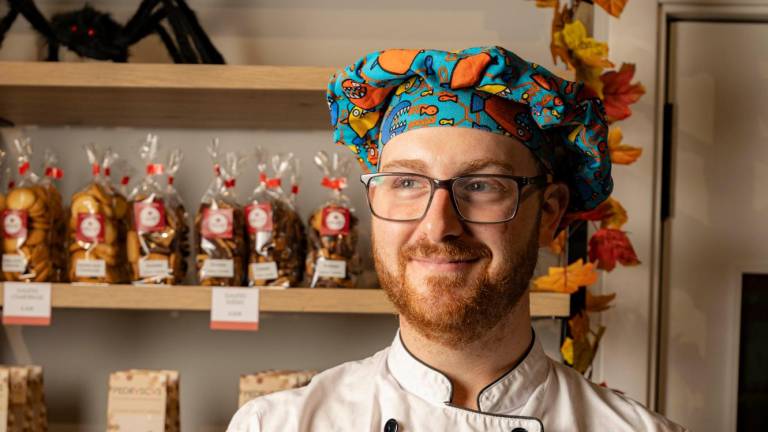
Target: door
[717,231]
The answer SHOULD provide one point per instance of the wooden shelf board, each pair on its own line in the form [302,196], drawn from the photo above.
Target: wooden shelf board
[300,300]
[164,95]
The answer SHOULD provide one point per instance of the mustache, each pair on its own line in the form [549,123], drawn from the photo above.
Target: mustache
[453,250]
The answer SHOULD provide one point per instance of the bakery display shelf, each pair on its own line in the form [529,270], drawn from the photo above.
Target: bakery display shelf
[301,300]
[163,95]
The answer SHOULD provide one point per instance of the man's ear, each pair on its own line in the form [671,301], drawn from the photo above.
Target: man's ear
[553,206]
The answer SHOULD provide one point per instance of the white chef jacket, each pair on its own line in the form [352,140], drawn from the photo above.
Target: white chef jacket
[393,391]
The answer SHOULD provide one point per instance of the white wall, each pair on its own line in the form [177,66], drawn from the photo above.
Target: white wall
[83,347]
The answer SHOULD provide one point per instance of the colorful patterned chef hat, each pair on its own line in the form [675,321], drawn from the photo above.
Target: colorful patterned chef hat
[387,93]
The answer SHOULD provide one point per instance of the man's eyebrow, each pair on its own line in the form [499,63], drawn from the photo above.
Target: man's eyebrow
[410,164]
[480,164]
[468,167]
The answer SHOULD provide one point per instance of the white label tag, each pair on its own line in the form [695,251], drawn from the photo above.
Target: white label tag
[331,268]
[235,309]
[218,268]
[267,270]
[91,268]
[27,303]
[13,263]
[153,268]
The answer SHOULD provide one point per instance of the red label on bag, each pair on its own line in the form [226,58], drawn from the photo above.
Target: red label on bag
[90,227]
[259,217]
[14,223]
[335,221]
[217,223]
[149,216]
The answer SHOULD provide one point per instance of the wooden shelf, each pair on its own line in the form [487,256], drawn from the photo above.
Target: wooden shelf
[163,95]
[301,300]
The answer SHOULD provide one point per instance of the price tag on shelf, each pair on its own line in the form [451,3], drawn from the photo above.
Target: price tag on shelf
[27,304]
[235,308]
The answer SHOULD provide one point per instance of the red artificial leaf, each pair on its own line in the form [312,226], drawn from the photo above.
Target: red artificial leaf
[609,246]
[613,7]
[619,93]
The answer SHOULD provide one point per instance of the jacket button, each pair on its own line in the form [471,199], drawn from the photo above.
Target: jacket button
[391,426]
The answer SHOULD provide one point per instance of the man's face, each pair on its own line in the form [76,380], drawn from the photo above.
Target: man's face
[453,280]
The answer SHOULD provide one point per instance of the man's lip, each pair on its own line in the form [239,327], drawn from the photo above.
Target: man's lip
[437,260]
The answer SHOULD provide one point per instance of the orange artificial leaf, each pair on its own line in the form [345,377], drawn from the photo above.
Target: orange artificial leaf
[579,326]
[613,7]
[567,280]
[619,93]
[558,244]
[599,303]
[588,52]
[621,154]
[610,213]
[584,343]
[547,3]
[609,246]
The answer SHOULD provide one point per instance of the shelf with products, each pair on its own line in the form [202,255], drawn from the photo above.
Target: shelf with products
[297,300]
[163,95]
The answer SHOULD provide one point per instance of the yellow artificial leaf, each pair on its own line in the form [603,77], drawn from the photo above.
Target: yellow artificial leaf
[591,77]
[621,154]
[613,7]
[566,350]
[588,51]
[616,215]
[599,303]
[558,244]
[567,280]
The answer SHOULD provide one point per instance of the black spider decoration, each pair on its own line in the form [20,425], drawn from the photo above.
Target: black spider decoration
[94,34]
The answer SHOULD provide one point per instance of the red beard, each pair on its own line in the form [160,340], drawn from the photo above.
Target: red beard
[459,309]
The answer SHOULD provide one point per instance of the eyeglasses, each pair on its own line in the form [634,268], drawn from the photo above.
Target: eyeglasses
[477,198]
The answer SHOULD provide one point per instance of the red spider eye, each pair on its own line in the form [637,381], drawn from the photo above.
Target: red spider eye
[73,29]
[91,32]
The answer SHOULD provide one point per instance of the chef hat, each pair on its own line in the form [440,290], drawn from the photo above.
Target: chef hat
[389,92]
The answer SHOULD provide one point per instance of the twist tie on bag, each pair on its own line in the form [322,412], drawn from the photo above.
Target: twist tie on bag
[335,183]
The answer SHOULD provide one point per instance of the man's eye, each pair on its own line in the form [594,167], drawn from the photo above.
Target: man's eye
[405,183]
[481,186]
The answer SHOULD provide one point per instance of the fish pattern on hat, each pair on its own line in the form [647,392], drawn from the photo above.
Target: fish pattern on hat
[386,93]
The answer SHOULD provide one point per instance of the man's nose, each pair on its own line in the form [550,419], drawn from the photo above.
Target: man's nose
[441,220]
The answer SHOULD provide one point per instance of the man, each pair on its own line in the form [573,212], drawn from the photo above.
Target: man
[475,157]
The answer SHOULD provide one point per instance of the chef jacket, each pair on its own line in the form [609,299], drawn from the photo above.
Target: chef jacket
[393,391]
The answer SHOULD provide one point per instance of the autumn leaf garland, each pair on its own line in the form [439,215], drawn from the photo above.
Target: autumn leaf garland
[609,245]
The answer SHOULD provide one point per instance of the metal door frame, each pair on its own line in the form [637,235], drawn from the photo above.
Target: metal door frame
[668,14]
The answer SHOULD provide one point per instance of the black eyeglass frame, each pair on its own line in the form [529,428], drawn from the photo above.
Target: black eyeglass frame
[447,184]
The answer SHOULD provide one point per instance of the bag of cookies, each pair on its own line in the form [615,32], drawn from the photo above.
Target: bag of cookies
[152,244]
[97,225]
[219,230]
[178,215]
[52,175]
[332,259]
[27,224]
[275,233]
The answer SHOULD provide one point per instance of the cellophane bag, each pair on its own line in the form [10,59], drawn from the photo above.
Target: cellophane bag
[52,175]
[179,214]
[97,225]
[332,258]
[219,231]
[27,224]
[153,244]
[275,244]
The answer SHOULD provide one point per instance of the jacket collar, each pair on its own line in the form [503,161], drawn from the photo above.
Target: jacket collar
[508,393]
